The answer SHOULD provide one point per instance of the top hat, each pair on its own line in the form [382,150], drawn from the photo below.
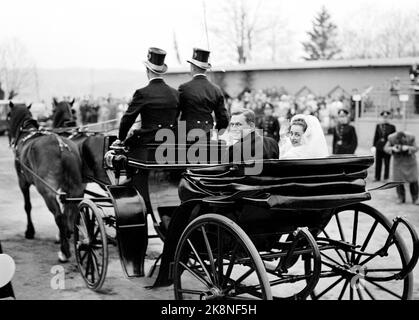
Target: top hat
[200,58]
[343,112]
[155,60]
[385,113]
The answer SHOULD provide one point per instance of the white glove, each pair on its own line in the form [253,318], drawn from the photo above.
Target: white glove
[373,149]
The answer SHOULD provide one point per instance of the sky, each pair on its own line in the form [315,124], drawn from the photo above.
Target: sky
[117,33]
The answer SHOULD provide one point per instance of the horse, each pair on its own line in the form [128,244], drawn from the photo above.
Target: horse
[51,163]
[63,114]
[91,149]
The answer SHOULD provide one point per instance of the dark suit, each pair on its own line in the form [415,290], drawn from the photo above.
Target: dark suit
[158,105]
[198,98]
[382,131]
[235,152]
[345,140]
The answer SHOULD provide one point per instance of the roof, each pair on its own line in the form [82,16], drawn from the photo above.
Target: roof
[323,64]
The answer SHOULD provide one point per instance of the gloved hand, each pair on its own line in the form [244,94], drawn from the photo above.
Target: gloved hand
[117,143]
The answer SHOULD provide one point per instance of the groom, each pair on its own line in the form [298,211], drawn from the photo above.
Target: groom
[244,141]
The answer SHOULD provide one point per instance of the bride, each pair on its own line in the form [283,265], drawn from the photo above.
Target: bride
[306,139]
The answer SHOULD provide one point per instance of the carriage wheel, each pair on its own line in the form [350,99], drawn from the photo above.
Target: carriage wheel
[215,259]
[290,281]
[351,275]
[90,245]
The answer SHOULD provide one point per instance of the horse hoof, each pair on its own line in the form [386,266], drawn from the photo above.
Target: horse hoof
[62,257]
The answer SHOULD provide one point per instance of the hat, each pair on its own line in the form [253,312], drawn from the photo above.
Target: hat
[200,58]
[385,113]
[155,60]
[343,111]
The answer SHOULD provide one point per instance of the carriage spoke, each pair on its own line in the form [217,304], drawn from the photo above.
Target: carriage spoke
[331,259]
[211,257]
[383,270]
[200,260]
[83,219]
[95,262]
[230,265]
[351,293]
[369,293]
[88,263]
[384,289]
[337,251]
[342,235]
[83,231]
[220,254]
[329,288]
[361,297]
[190,291]
[83,256]
[343,289]
[367,240]
[354,233]
[205,282]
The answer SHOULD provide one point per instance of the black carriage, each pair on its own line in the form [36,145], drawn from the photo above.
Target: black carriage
[297,229]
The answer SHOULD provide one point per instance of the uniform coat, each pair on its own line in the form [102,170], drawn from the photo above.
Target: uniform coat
[157,104]
[345,140]
[382,131]
[198,98]
[270,127]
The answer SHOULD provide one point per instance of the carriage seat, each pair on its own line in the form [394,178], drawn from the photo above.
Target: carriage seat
[301,184]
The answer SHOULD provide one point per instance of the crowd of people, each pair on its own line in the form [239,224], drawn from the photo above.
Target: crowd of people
[285,106]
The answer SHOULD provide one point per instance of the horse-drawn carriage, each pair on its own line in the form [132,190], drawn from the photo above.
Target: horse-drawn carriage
[296,229]
[293,229]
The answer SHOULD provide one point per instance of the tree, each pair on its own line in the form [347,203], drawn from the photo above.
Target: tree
[391,34]
[244,26]
[322,44]
[17,71]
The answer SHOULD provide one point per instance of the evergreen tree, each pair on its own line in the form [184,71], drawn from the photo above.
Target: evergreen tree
[322,44]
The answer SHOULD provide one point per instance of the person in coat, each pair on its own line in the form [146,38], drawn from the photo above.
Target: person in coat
[268,123]
[402,146]
[157,105]
[382,131]
[345,140]
[200,98]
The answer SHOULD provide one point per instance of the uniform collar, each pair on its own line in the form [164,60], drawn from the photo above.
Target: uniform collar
[200,75]
[156,79]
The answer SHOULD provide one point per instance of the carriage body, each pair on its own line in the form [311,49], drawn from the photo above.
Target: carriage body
[276,217]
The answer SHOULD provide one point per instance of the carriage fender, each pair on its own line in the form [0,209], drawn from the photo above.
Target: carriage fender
[131,228]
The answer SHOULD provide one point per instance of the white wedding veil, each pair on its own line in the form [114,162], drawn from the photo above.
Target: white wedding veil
[314,143]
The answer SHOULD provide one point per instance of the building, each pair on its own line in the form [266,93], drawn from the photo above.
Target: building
[373,79]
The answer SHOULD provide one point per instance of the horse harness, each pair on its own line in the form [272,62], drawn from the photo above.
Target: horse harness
[33,134]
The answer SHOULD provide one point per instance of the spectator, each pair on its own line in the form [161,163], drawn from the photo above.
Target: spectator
[403,147]
[345,140]
[382,131]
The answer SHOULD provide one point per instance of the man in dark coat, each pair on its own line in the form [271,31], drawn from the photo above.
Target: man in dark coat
[245,143]
[345,140]
[268,123]
[157,104]
[199,98]
[382,131]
